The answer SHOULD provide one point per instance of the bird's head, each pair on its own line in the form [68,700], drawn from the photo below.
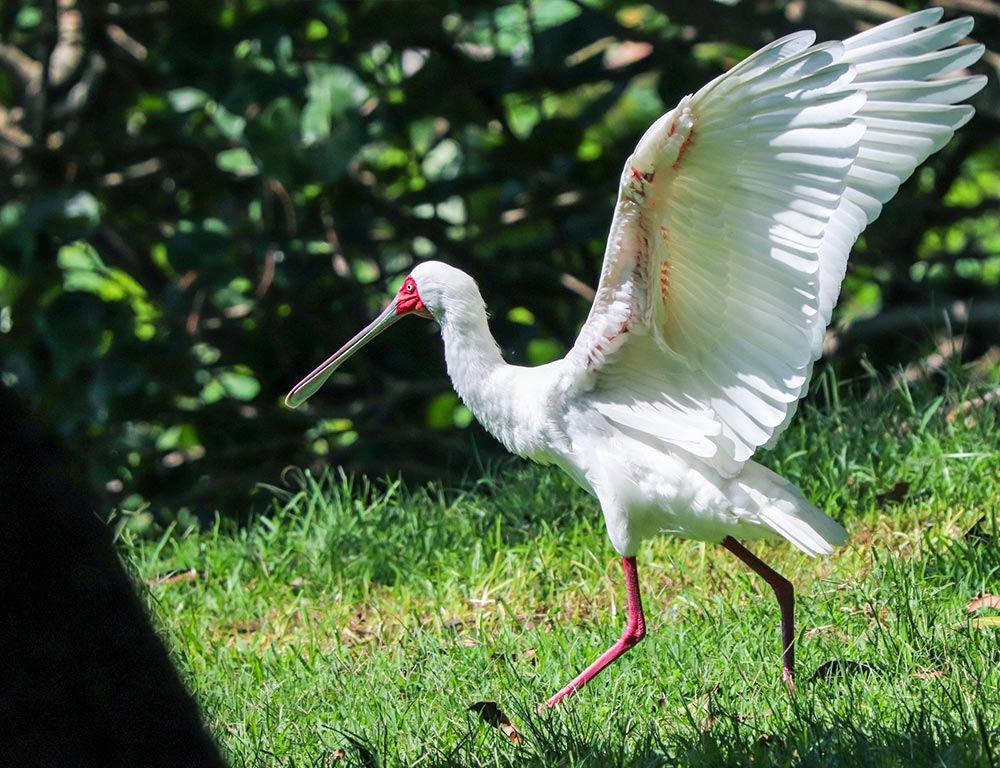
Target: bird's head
[425,292]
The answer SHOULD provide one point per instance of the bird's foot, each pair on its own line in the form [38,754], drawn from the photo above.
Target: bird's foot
[787,676]
[569,690]
[545,706]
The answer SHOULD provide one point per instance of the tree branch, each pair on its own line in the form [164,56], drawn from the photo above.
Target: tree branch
[912,322]
[25,69]
[78,96]
[67,55]
[979,7]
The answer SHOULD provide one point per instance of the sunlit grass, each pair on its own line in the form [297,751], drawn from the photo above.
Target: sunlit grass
[357,622]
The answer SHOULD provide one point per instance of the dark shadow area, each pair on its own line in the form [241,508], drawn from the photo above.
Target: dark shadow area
[84,679]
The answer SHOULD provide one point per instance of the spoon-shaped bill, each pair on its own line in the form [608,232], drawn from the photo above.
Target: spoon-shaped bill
[311,383]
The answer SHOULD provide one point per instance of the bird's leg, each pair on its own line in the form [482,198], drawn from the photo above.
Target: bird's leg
[635,630]
[784,591]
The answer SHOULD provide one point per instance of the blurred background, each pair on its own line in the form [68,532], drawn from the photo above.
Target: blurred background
[200,201]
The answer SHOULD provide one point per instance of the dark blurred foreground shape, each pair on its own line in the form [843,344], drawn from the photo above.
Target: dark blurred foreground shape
[84,679]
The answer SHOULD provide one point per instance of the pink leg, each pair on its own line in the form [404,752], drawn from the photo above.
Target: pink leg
[784,591]
[635,630]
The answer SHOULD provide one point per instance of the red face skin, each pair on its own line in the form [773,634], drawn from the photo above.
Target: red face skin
[408,299]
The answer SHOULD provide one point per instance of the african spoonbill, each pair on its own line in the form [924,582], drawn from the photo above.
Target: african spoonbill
[735,217]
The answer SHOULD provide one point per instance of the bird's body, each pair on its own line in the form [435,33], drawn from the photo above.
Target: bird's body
[735,217]
[643,490]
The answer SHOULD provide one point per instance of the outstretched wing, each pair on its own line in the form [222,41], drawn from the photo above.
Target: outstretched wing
[734,222]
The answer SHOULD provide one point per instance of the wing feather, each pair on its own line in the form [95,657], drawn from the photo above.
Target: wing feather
[735,217]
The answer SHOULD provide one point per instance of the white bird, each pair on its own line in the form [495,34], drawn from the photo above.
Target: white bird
[729,242]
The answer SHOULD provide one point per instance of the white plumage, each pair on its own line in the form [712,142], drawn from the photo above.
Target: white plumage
[729,243]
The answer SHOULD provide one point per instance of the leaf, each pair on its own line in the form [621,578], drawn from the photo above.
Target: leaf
[239,385]
[985,600]
[186,99]
[512,733]
[178,437]
[273,136]
[489,711]
[330,124]
[231,126]
[491,714]
[528,655]
[84,271]
[84,208]
[27,18]
[894,495]
[67,215]
[541,351]
[441,410]
[236,161]
[929,413]
[316,30]
[79,256]
[521,315]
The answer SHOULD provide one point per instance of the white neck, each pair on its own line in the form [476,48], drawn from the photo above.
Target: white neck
[493,390]
[471,353]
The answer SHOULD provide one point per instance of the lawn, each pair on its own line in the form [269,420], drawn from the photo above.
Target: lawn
[358,622]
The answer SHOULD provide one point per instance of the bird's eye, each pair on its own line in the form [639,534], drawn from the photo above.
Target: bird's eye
[409,286]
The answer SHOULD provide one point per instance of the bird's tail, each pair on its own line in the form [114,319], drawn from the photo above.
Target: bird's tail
[787,512]
[809,529]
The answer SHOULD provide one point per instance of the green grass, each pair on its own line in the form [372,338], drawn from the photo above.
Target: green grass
[367,617]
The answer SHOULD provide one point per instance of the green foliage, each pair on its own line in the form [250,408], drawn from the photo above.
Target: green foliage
[202,200]
[84,271]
